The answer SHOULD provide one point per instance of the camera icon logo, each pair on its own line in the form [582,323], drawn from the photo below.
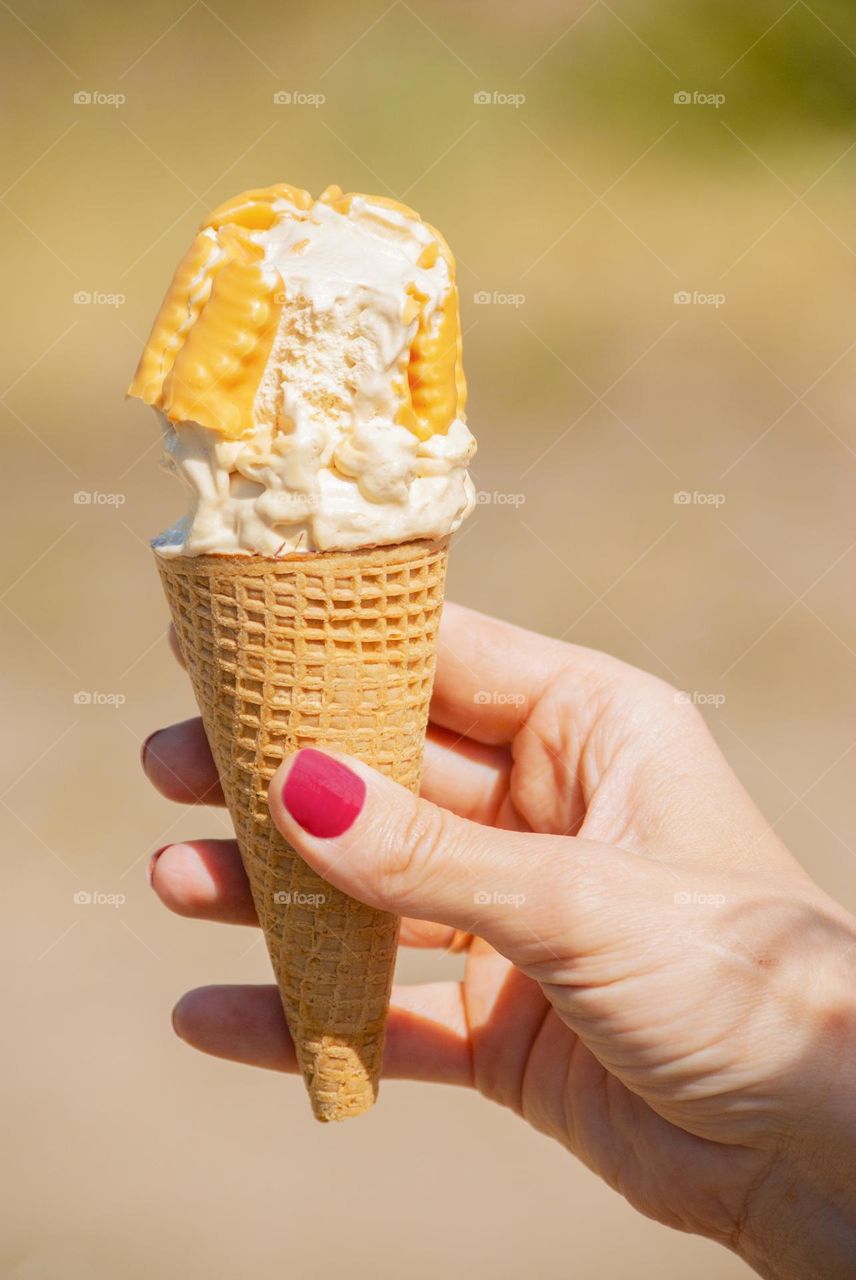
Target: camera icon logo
[83,298]
[682,499]
[682,98]
[482,298]
[82,98]
[481,899]
[83,898]
[282,98]
[282,897]
[482,98]
[83,698]
[683,298]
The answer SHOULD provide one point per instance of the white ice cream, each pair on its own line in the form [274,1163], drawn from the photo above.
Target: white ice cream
[326,466]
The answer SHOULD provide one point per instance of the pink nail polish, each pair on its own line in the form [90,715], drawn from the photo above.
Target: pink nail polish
[322,795]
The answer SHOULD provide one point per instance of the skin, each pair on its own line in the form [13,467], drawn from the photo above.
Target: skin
[651,977]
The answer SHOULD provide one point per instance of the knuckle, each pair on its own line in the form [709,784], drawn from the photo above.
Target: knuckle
[658,692]
[675,710]
[413,844]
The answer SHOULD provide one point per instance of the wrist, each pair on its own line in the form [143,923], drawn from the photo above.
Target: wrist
[795,1228]
[799,1221]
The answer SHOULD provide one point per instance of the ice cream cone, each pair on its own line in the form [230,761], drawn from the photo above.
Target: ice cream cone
[306,368]
[326,649]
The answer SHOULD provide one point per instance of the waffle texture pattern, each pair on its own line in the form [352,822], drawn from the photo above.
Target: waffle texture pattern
[337,650]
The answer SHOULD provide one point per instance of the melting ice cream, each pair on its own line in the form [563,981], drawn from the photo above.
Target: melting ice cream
[306,365]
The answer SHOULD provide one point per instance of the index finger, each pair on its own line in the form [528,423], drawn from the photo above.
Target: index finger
[491,673]
[488,673]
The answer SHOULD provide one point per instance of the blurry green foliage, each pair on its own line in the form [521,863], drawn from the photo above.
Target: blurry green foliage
[784,68]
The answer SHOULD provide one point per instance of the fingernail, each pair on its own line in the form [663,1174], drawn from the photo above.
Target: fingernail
[322,795]
[150,869]
[144,748]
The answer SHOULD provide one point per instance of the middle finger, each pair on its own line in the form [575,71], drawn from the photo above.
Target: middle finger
[178,762]
[205,880]
[464,776]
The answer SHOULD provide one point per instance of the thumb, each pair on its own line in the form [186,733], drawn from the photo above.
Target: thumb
[533,897]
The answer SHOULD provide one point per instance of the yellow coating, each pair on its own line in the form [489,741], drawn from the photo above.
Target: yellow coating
[217,371]
[213,335]
[186,296]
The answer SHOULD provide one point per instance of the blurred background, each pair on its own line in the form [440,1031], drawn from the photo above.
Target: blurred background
[652,206]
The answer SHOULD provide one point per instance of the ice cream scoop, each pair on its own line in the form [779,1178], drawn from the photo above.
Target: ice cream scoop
[306,363]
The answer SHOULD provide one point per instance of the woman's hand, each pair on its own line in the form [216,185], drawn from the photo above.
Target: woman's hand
[653,979]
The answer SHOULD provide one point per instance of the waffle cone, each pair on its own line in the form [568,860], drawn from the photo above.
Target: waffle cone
[337,650]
